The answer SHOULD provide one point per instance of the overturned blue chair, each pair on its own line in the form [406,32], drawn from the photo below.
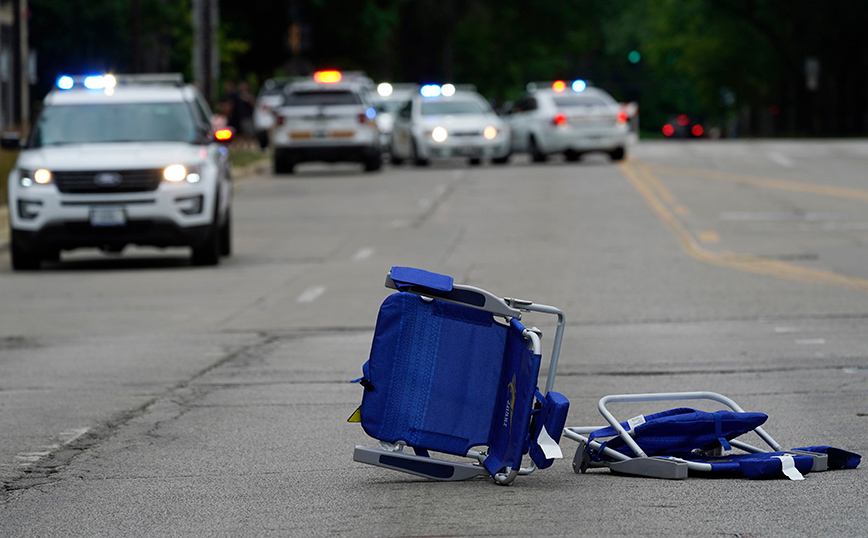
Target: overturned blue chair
[453,371]
[675,443]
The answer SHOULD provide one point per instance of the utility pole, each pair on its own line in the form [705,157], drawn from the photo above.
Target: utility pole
[206,57]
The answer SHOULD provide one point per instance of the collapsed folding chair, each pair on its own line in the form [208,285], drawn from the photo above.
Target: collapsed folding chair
[672,443]
[452,370]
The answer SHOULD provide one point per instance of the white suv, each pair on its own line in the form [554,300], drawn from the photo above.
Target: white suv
[572,119]
[120,160]
[329,117]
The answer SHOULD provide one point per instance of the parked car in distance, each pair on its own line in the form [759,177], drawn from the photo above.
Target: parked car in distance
[270,96]
[447,122]
[328,117]
[568,118]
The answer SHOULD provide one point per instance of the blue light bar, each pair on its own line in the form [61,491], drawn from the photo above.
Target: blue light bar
[579,85]
[65,82]
[371,113]
[430,90]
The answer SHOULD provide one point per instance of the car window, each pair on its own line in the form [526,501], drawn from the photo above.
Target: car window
[201,112]
[567,101]
[442,108]
[121,122]
[320,98]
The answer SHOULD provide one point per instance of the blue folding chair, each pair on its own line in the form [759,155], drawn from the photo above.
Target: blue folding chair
[675,443]
[453,371]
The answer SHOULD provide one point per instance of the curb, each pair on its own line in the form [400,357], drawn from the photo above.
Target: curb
[254,169]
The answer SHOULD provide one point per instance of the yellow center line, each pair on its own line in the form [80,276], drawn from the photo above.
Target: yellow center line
[771,183]
[743,262]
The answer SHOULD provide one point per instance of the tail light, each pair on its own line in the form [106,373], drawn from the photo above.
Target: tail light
[559,120]
[622,116]
[668,130]
[280,120]
[697,130]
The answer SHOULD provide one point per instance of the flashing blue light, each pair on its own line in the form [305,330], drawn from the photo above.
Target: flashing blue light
[94,82]
[371,113]
[430,90]
[65,82]
[579,85]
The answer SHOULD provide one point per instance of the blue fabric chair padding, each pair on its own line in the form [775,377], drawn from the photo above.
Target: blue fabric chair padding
[442,373]
[552,415]
[406,277]
[837,458]
[678,431]
[510,425]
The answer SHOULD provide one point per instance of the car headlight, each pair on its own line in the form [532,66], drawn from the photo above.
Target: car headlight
[489,133]
[439,134]
[178,172]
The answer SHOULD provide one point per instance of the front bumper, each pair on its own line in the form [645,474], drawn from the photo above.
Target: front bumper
[458,147]
[80,234]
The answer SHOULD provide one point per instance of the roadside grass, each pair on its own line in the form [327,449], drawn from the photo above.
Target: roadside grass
[244,156]
[7,160]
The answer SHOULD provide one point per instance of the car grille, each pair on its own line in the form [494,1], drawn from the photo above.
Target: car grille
[466,133]
[122,181]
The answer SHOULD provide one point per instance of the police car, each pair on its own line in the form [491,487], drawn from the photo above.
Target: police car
[569,118]
[446,122]
[328,117]
[388,101]
[120,160]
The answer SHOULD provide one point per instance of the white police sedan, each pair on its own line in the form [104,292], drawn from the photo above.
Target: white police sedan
[569,118]
[447,122]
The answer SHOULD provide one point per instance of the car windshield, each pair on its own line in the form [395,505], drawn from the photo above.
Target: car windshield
[567,101]
[391,106]
[443,108]
[116,122]
[320,98]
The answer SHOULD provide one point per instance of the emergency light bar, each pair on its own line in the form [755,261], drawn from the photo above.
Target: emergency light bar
[109,82]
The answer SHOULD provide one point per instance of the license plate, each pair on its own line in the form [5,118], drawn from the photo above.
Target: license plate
[467,152]
[107,216]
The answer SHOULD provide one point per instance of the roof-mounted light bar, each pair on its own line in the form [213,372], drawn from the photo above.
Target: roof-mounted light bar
[108,81]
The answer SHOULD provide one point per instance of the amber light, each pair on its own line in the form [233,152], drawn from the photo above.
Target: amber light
[223,135]
[328,77]
[559,86]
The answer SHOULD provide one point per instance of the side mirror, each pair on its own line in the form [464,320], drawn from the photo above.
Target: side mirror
[11,141]
[224,135]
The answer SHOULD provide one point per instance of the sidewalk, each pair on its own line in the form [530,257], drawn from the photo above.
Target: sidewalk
[257,168]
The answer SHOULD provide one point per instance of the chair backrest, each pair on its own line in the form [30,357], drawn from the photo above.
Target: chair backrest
[447,377]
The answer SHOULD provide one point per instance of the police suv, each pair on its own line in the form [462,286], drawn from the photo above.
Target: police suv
[120,160]
[569,118]
[328,117]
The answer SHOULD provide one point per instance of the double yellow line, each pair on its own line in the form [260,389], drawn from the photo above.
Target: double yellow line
[660,200]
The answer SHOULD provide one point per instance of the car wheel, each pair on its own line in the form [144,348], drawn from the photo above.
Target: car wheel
[618,154]
[501,160]
[21,258]
[226,235]
[418,161]
[283,164]
[475,161]
[397,161]
[373,162]
[535,153]
[572,155]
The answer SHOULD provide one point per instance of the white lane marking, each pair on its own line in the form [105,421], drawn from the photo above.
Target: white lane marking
[311,294]
[810,341]
[26,459]
[363,254]
[781,159]
[787,330]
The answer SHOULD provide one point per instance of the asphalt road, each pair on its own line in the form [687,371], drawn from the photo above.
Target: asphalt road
[140,396]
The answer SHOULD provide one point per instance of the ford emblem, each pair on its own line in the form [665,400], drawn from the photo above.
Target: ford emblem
[108,179]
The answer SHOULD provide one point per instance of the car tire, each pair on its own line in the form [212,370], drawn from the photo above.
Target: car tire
[21,258]
[618,154]
[501,160]
[373,162]
[283,164]
[418,161]
[397,161]
[536,154]
[572,155]
[475,161]
[226,235]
